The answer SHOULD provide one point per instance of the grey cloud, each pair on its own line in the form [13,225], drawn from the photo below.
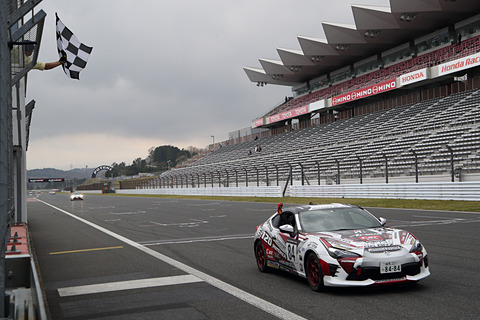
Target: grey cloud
[173,72]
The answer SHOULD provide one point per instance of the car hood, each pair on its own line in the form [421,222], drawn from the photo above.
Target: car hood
[374,239]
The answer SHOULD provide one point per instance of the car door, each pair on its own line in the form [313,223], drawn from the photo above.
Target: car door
[285,243]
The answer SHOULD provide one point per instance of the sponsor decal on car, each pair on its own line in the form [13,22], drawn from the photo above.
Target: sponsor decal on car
[267,238]
[376,244]
[370,238]
[384,249]
[278,251]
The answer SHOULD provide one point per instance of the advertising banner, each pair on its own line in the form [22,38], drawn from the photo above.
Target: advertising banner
[412,77]
[456,65]
[258,123]
[288,114]
[34,180]
[365,92]
[317,105]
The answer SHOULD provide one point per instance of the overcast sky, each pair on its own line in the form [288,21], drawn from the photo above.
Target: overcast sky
[161,73]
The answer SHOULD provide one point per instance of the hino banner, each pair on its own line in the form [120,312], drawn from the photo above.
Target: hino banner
[365,92]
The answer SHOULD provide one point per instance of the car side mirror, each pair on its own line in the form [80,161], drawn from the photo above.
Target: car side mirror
[382,221]
[287,228]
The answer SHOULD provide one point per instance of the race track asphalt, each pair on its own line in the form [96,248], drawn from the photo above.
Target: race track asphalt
[156,258]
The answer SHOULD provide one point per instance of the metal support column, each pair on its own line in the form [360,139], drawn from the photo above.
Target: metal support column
[6,153]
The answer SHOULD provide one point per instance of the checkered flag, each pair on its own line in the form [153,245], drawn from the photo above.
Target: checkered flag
[73,52]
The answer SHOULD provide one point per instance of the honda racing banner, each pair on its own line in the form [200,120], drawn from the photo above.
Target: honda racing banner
[456,65]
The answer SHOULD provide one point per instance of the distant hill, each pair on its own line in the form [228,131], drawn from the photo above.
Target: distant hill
[56,173]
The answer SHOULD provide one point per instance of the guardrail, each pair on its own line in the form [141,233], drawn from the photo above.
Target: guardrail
[427,191]
[261,191]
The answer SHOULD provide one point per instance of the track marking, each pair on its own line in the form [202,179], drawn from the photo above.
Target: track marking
[179,224]
[433,217]
[127,285]
[261,304]
[132,212]
[192,240]
[87,250]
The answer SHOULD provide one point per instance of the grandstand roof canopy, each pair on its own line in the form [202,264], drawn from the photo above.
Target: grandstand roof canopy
[376,29]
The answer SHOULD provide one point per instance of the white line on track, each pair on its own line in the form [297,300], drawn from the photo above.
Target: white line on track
[132,212]
[261,304]
[433,217]
[127,285]
[192,240]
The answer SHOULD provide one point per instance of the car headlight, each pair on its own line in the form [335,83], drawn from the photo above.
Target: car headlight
[417,246]
[338,253]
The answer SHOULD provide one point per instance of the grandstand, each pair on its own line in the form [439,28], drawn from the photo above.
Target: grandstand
[395,96]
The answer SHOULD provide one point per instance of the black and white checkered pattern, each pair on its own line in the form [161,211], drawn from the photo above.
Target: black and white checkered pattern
[75,52]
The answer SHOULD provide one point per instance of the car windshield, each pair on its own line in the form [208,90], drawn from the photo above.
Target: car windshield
[334,219]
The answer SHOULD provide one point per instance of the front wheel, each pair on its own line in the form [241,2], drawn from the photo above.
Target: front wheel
[261,257]
[314,273]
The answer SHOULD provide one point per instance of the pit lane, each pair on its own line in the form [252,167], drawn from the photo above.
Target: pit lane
[214,238]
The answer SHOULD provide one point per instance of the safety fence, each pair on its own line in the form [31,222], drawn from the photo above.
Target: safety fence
[428,191]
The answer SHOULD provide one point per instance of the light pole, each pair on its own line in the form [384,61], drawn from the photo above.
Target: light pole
[361,169]
[302,174]
[168,164]
[213,138]
[452,170]
[338,171]
[386,167]
[416,165]
[318,171]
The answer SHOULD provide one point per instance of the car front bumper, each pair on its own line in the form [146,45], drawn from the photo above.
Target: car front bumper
[341,279]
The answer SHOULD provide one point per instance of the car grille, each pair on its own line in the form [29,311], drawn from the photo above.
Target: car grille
[374,273]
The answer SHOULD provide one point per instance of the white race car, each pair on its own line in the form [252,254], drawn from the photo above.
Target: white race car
[76,196]
[338,245]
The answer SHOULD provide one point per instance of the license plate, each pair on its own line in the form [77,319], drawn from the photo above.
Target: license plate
[390,267]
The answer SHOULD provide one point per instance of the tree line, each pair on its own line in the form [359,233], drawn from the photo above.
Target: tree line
[158,159]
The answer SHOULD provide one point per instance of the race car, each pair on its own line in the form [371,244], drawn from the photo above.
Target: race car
[338,245]
[76,196]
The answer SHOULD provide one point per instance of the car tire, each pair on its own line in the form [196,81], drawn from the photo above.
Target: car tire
[314,273]
[261,257]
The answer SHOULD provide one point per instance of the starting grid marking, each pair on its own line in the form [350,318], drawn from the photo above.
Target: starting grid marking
[86,250]
[127,285]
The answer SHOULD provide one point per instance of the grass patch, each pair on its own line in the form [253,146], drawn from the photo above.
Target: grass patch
[447,205]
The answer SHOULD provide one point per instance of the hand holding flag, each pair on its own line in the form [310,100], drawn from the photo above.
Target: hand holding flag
[73,54]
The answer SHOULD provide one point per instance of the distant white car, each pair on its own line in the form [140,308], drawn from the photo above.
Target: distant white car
[76,196]
[52,192]
[338,245]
